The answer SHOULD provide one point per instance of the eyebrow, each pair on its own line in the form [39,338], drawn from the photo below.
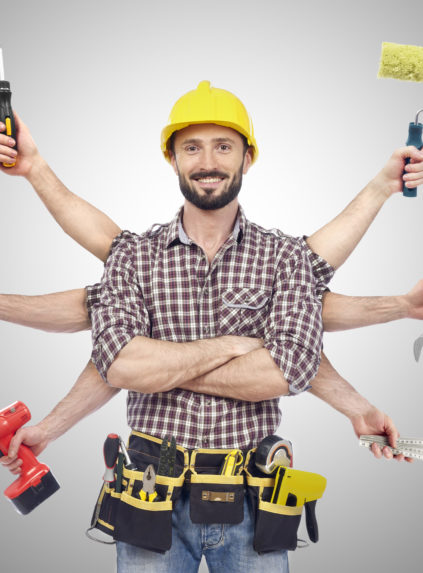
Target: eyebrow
[215,140]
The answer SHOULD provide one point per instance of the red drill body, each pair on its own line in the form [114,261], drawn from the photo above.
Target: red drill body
[36,482]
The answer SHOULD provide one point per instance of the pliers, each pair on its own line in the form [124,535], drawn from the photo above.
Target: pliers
[148,492]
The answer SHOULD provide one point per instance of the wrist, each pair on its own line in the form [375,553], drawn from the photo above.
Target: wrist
[37,169]
[380,188]
[48,429]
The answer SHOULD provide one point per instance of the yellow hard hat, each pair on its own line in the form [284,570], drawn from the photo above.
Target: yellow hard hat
[209,105]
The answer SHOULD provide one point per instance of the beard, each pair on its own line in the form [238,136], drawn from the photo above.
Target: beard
[207,200]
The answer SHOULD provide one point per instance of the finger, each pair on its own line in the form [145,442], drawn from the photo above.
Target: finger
[15,467]
[415,165]
[387,453]
[376,451]
[411,152]
[413,182]
[11,463]
[15,443]
[7,155]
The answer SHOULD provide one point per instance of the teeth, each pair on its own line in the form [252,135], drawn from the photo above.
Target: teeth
[210,180]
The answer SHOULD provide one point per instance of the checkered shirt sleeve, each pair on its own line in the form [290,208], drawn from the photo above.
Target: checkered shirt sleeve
[294,329]
[119,313]
[322,270]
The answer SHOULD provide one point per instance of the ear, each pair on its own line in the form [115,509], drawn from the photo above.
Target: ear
[172,158]
[248,159]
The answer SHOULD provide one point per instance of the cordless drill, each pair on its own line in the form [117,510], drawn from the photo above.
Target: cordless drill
[36,482]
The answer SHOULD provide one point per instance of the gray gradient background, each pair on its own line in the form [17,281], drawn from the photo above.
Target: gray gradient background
[95,82]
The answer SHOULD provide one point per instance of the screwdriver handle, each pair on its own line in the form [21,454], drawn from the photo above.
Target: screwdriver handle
[111,452]
[414,138]
[6,114]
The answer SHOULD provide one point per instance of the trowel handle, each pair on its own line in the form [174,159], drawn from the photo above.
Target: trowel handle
[414,138]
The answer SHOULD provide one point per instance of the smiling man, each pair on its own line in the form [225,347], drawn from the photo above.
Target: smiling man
[206,321]
[223,147]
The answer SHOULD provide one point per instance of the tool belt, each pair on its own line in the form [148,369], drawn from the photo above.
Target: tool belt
[214,498]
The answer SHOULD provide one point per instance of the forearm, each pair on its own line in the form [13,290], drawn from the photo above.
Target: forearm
[86,224]
[147,365]
[341,312]
[335,241]
[88,394]
[252,377]
[57,312]
[329,386]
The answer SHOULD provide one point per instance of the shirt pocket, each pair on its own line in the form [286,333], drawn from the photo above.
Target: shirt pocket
[243,311]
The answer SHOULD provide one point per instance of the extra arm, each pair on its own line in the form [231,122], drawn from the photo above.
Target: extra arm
[86,224]
[57,312]
[365,418]
[335,241]
[341,312]
[87,395]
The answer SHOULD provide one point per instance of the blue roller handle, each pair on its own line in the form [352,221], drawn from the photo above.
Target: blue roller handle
[414,138]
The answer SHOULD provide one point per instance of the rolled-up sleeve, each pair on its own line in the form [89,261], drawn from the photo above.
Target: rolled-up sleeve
[322,270]
[117,308]
[294,329]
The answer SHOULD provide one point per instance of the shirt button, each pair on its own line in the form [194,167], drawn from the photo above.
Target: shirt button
[206,329]
[205,442]
[205,291]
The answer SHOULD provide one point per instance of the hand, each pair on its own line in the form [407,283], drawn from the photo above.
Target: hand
[390,179]
[375,422]
[414,301]
[34,437]
[27,153]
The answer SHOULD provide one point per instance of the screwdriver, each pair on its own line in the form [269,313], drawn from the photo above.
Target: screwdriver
[128,463]
[111,452]
[6,113]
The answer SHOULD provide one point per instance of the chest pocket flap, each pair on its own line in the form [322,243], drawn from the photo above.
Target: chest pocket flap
[245,297]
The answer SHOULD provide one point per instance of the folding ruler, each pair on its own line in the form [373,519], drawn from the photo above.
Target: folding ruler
[410,447]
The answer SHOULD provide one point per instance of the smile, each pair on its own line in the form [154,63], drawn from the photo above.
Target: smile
[210,179]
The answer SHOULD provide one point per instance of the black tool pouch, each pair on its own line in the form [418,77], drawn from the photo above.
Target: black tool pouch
[214,498]
[145,524]
[276,525]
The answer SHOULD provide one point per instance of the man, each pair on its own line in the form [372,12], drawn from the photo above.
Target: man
[210,161]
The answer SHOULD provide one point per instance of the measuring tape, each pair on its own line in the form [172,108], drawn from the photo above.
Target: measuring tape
[410,447]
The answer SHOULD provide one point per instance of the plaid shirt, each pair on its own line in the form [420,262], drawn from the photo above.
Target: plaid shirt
[261,284]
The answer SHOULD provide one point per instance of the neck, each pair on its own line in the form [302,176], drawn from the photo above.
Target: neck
[209,229]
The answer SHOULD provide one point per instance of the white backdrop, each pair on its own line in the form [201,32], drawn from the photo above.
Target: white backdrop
[95,81]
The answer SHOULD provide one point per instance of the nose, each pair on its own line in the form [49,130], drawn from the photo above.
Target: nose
[208,159]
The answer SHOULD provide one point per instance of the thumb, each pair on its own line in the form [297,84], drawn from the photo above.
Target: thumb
[391,432]
[15,444]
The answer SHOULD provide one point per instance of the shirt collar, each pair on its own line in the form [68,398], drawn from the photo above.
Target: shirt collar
[176,233]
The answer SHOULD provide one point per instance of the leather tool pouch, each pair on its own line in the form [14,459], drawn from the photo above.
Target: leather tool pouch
[276,525]
[214,498]
[121,513]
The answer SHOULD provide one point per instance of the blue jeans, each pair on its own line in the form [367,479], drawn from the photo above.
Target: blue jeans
[227,548]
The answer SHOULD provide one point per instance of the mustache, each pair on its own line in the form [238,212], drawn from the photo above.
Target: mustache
[204,174]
